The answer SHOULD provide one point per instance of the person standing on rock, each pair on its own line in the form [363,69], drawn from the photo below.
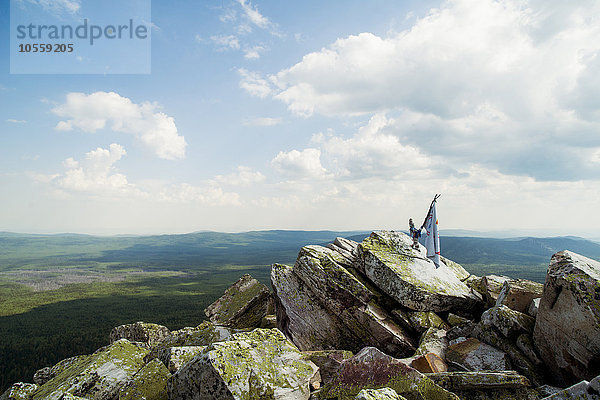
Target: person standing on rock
[415,234]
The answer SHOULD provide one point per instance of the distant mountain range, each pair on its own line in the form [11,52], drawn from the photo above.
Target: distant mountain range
[204,250]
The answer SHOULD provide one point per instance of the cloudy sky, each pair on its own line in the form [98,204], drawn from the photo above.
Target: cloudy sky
[316,115]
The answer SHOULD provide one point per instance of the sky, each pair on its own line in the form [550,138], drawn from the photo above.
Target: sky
[341,115]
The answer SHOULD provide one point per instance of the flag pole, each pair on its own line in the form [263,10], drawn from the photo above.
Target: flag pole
[437,196]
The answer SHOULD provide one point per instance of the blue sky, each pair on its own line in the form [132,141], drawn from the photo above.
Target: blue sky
[314,115]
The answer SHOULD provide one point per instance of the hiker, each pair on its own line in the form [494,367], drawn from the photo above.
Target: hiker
[415,234]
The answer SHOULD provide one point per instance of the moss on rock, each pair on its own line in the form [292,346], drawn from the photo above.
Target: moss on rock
[98,376]
[19,391]
[150,383]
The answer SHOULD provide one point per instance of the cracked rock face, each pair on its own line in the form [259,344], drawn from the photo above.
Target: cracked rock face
[98,376]
[567,328]
[410,278]
[320,288]
[243,305]
[261,364]
[372,369]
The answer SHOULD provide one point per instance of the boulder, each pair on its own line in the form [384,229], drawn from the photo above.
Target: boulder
[346,248]
[472,355]
[509,322]
[302,318]
[409,277]
[433,341]
[19,391]
[142,332]
[150,383]
[202,335]
[583,390]
[328,361]
[344,296]
[43,375]
[490,286]
[243,305]
[372,369]
[489,335]
[261,364]
[99,376]
[518,294]
[567,328]
[484,385]
[174,357]
[378,394]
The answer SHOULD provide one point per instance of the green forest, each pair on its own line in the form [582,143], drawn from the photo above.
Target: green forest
[60,295]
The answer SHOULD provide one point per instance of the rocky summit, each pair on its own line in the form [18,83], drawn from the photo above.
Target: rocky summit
[349,321]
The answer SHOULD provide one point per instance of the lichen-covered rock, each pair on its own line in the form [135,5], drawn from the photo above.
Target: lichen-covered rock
[456,320]
[518,294]
[491,285]
[328,361]
[433,341]
[420,321]
[174,357]
[346,248]
[261,364]
[302,318]
[243,305]
[141,332]
[567,328]
[509,322]
[372,369]
[98,376]
[484,385]
[202,335]
[489,335]
[579,391]
[150,383]
[472,355]
[42,375]
[409,277]
[347,298]
[19,391]
[378,394]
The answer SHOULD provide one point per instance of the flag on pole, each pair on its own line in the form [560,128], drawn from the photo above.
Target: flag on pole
[432,240]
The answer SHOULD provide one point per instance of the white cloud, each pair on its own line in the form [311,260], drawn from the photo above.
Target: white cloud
[93,112]
[254,52]
[262,121]
[16,121]
[253,15]
[507,84]
[58,6]
[96,173]
[371,152]
[226,42]
[254,84]
[244,176]
[300,164]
